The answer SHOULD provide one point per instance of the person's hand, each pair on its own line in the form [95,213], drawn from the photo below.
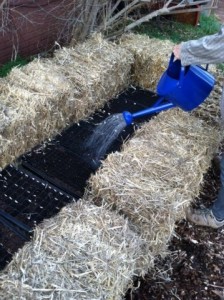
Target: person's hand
[177,51]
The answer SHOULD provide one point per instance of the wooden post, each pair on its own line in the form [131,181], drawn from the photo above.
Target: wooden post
[211,4]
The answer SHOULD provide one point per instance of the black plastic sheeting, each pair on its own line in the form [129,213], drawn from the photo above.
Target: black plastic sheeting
[25,201]
[55,173]
[60,167]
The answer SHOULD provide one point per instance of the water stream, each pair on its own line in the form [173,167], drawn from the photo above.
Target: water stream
[103,136]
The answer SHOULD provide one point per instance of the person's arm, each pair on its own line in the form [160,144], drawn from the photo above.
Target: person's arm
[209,49]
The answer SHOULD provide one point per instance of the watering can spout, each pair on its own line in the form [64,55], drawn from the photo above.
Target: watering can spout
[159,106]
[128,117]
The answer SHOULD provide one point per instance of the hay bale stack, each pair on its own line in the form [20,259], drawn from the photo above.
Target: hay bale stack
[85,252]
[151,58]
[45,96]
[158,172]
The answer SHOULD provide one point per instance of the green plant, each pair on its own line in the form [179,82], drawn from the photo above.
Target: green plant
[6,68]
[221,67]
[166,28]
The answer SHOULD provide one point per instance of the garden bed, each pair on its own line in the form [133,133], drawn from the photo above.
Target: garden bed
[137,195]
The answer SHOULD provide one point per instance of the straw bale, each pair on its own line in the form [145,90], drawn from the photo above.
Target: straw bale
[84,252]
[33,98]
[43,112]
[100,69]
[30,118]
[151,58]
[42,89]
[158,173]
[41,76]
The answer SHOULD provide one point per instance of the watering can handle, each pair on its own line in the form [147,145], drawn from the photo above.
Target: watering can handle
[182,68]
[177,68]
[172,57]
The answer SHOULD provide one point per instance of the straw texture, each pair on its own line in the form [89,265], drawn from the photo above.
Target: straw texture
[85,252]
[157,174]
[151,58]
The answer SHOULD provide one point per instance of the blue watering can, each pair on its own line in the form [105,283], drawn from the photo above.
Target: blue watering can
[183,87]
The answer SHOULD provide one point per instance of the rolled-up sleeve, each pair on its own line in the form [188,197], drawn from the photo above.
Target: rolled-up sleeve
[206,50]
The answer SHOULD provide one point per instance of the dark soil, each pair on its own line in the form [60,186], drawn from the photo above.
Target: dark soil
[195,267]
